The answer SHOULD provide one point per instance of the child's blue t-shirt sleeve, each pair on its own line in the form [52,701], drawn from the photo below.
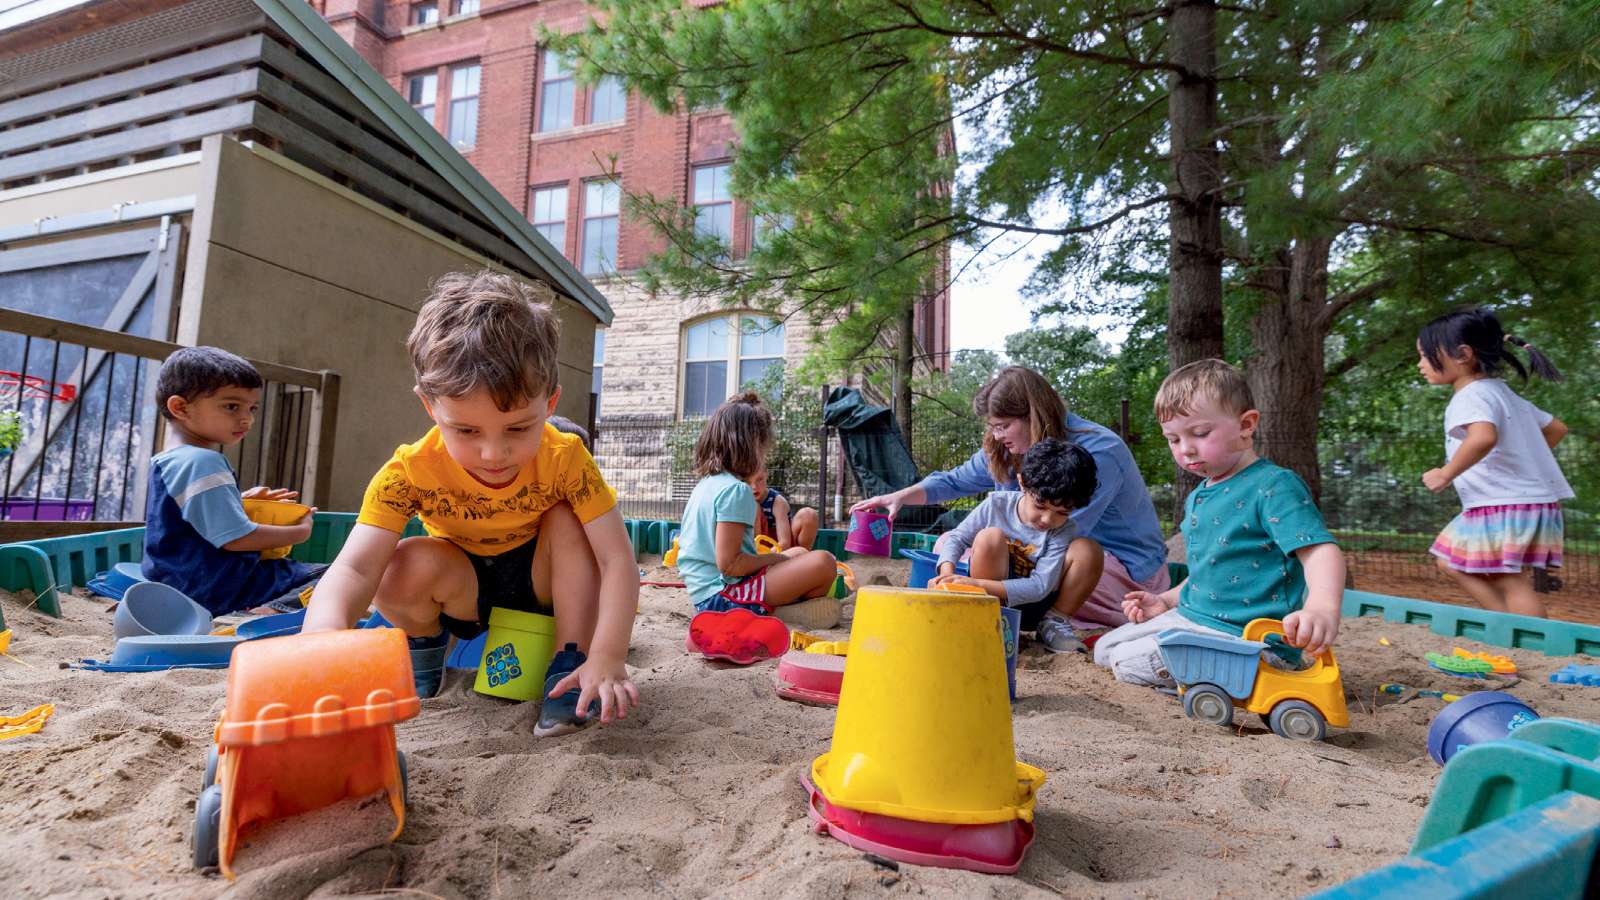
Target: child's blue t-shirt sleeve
[735,503]
[1289,515]
[203,487]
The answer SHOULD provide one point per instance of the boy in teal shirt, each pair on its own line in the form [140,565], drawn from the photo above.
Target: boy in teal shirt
[1257,545]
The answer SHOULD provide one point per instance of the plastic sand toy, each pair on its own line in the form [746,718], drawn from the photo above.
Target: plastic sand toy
[1216,673]
[309,720]
[928,776]
[25,723]
[1459,666]
[737,636]
[274,512]
[1501,665]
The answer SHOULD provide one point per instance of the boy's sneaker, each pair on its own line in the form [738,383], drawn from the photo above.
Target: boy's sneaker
[427,662]
[559,715]
[1058,636]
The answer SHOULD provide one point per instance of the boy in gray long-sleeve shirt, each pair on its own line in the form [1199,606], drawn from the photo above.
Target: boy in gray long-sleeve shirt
[1019,539]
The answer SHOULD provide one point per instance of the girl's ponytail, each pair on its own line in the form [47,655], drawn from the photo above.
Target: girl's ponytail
[1538,363]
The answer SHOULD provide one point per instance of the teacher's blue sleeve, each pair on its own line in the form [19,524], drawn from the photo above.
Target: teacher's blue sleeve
[971,477]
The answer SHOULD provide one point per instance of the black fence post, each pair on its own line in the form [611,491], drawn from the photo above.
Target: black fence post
[822,462]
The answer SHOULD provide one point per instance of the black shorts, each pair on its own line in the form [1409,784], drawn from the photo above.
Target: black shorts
[504,580]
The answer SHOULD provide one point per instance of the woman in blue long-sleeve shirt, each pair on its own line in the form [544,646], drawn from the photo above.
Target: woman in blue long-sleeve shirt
[1020,408]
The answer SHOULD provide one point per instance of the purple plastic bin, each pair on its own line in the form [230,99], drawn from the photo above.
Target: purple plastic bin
[1475,718]
[51,509]
[871,533]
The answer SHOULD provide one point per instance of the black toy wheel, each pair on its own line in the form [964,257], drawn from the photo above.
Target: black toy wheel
[210,776]
[207,827]
[1208,704]
[1298,721]
[405,783]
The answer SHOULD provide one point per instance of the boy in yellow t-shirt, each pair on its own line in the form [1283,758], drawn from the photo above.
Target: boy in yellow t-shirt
[499,490]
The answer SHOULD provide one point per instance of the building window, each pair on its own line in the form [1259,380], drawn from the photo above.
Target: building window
[610,102]
[602,206]
[424,13]
[423,92]
[713,204]
[599,359]
[466,7]
[724,354]
[549,215]
[463,131]
[764,226]
[555,93]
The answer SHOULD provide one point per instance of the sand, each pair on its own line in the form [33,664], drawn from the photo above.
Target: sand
[698,794]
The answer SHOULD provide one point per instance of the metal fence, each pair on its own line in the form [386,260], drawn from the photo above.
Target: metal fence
[1383,516]
[78,425]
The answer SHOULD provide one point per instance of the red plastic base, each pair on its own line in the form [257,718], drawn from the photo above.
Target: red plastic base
[997,848]
[810,677]
[738,636]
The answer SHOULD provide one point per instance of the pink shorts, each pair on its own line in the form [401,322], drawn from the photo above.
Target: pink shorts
[1103,609]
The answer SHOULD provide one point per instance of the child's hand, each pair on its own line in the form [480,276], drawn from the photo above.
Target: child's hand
[302,528]
[1312,630]
[1142,606]
[262,492]
[1435,480]
[607,681]
[952,578]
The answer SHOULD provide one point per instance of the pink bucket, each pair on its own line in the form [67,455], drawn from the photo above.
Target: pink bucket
[870,533]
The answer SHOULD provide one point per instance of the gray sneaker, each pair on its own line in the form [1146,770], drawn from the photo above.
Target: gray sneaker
[1058,636]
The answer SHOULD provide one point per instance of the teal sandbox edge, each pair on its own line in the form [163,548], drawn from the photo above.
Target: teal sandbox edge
[1552,637]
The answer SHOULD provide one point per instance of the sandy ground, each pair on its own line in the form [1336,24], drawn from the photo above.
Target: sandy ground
[698,794]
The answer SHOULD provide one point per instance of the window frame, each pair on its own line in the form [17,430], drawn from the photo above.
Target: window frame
[585,218]
[459,7]
[733,356]
[453,100]
[696,205]
[622,99]
[566,204]
[415,17]
[566,80]
[411,80]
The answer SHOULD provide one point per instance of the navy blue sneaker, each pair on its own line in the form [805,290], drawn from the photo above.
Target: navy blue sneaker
[427,662]
[559,715]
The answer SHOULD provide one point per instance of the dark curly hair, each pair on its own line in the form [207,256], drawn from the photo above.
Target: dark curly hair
[1059,473]
[201,371]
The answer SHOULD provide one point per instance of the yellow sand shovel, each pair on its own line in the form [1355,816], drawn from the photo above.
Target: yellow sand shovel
[27,723]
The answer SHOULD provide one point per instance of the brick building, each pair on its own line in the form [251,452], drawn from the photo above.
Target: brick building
[475,68]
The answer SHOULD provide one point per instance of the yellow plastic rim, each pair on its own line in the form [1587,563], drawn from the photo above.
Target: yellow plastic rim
[1029,780]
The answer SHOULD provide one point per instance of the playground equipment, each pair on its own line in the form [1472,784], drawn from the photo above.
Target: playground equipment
[516,654]
[1518,817]
[871,533]
[150,607]
[927,776]
[1475,719]
[275,512]
[1215,673]
[309,720]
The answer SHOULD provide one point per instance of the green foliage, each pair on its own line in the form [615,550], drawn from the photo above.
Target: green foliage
[10,431]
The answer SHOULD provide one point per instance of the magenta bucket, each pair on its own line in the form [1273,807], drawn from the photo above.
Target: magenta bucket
[870,533]
[1475,718]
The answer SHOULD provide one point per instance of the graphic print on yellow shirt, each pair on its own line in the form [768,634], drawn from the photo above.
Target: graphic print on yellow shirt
[422,480]
[1022,557]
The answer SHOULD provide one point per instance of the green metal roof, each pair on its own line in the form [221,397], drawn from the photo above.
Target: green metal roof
[316,37]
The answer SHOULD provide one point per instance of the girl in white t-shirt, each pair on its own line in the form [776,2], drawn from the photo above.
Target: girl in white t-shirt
[1499,446]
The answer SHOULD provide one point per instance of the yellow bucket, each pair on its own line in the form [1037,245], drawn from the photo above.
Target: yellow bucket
[274,512]
[923,730]
[516,653]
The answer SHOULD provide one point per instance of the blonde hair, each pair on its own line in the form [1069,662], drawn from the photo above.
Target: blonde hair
[735,438]
[486,330]
[1199,382]
[1017,392]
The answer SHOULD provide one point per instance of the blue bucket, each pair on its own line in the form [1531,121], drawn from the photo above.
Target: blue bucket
[925,566]
[1484,716]
[1010,626]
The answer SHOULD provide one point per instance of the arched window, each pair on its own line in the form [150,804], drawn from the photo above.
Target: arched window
[723,354]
